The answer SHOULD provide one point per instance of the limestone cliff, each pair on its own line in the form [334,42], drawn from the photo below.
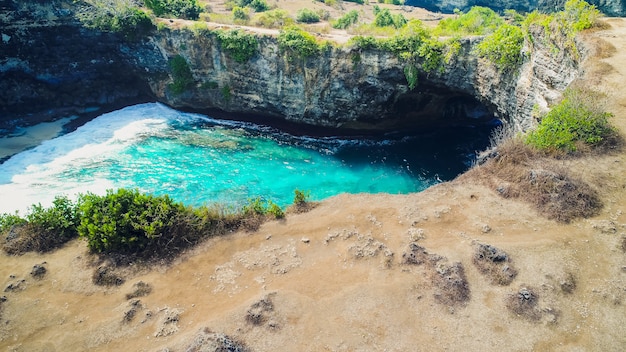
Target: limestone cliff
[359,89]
[49,61]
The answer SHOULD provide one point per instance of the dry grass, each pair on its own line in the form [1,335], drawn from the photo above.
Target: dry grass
[518,171]
[524,304]
[259,312]
[28,238]
[106,276]
[141,289]
[494,264]
[451,286]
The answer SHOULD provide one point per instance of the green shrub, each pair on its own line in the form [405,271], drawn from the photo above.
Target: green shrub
[477,21]
[181,73]
[576,121]
[8,221]
[301,197]
[126,221]
[298,42]
[274,19]
[123,17]
[187,9]
[275,210]
[579,15]
[346,20]
[360,2]
[240,45]
[44,229]
[259,5]
[240,14]
[384,18]
[307,16]
[60,219]
[503,47]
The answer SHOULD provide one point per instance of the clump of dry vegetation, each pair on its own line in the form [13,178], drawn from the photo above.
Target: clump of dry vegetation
[524,304]
[140,289]
[206,340]
[517,170]
[451,286]
[494,264]
[259,312]
[106,276]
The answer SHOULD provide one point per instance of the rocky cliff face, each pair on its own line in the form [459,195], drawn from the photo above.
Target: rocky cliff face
[50,61]
[361,89]
[608,7]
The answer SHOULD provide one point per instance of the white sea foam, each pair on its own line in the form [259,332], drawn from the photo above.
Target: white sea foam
[36,175]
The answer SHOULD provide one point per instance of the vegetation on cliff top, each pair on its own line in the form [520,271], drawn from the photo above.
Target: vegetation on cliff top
[130,222]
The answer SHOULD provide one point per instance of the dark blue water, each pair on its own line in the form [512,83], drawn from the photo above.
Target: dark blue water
[198,160]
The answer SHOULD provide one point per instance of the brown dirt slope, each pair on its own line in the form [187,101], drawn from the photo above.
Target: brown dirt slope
[334,279]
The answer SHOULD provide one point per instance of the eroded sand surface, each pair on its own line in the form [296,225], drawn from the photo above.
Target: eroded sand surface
[334,279]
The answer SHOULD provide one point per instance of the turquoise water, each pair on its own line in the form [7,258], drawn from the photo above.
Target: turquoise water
[198,160]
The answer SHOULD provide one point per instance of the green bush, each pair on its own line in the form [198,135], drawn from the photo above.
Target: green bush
[577,120]
[126,221]
[44,229]
[241,45]
[503,47]
[240,14]
[256,207]
[301,197]
[346,20]
[8,221]
[579,15]
[477,21]
[187,9]
[384,18]
[181,73]
[124,17]
[307,16]
[360,2]
[60,219]
[259,5]
[274,19]
[298,42]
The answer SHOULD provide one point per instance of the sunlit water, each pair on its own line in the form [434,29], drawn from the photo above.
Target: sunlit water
[198,160]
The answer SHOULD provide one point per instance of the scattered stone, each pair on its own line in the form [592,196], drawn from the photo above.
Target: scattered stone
[486,228]
[39,270]
[305,240]
[208,341]
[141,289]
[451,286]
[494,264]
[623,244]
[169,323]
[105,276]
[416,234]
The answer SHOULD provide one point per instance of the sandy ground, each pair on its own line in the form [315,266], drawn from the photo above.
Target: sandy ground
[32,136]
[333,279]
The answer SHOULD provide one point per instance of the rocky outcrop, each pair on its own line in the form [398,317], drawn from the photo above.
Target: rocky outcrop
[50,61]
[608,7]
[51,65]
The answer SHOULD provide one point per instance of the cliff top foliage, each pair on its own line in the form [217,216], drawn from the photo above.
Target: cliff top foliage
[130,222]
[578,122]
